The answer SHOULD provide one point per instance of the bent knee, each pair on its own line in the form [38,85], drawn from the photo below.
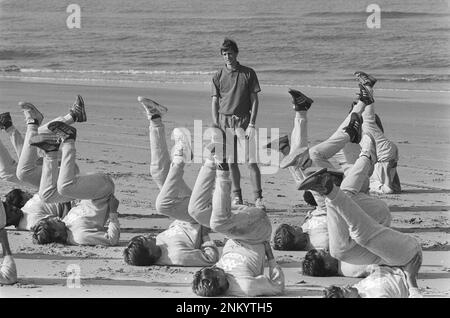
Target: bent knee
[65,189]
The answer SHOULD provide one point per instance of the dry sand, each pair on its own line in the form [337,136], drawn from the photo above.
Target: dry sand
[115,140]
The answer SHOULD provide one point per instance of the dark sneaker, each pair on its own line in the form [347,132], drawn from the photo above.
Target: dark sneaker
[320,181]
[46,142]
[354,128]
[365,95]
[78,110]
[365,79]
[32,114]
[298,157]
[151,107]
[5,121]
[299,100]
[281,145]
[63,131]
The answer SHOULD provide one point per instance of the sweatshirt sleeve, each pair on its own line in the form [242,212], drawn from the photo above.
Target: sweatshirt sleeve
[261,285]
[414,293]
[95,237]
[8,271]
[206,255]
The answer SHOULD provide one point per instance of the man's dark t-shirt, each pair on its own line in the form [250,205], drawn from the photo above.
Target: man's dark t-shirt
[233,88]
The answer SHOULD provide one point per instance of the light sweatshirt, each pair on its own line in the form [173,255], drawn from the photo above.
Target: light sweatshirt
[85,223]
[243,264]
[385,282]
[182,245]
[35,210]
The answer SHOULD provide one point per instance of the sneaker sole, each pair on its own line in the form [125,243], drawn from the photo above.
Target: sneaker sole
[160,108]
[29,106]
[305,182]
[61,129]
[292,157]
[83,110]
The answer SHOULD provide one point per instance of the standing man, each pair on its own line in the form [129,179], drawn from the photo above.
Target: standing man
[235,91]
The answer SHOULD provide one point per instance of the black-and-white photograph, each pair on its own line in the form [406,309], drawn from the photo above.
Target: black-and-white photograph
[205,149]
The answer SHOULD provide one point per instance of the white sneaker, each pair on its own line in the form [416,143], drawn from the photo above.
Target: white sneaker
[237,201]
[31,112]
[151,107]
[259,203]
[182,147]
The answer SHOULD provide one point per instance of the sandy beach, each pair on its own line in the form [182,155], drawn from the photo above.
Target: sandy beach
[114,140]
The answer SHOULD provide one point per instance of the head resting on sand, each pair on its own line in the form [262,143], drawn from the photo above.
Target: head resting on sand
[319,263]
[18,197]
[289,238]
[50,230]
[210,281]
[142,251]
[341,292]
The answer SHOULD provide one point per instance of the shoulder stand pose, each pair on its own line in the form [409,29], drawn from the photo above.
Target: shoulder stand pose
[92,198]
[185,242]
[240,270]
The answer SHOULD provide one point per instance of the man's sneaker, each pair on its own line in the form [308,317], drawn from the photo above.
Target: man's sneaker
[298,157]
[151,107]
[354,128]
[365,95]
[281,145]
[319,181]
[182,146]
[78,111]
[299,100]
[32,114]
[237,201]
[365,79]
[259,203]
[368,147]
[63,131]
[5,121]
[47,142]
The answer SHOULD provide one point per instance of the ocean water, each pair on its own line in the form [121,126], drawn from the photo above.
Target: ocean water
[287,42]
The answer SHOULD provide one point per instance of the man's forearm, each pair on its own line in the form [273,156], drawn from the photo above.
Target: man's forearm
[215,110]
[254,112]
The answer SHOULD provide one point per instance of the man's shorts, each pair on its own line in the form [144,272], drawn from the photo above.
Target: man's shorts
[240,149]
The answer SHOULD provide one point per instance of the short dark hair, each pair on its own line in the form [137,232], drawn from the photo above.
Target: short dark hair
[333,292]
[137,254]
[314,265]
[283,239]
[206,284]
[309,198]
[16,197]
[229,44]
[43,233]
